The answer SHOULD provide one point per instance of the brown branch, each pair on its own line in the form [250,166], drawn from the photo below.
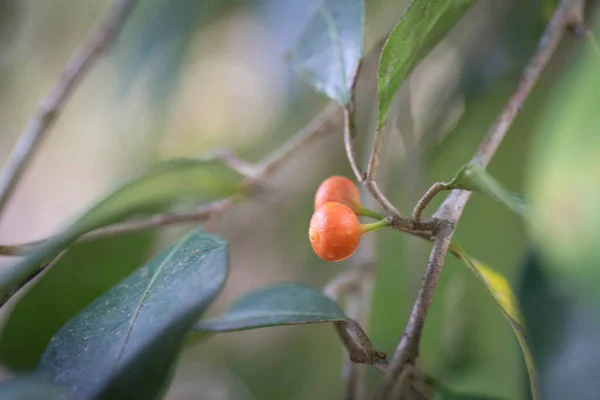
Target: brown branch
[353,286]
[326,121]
[451,209]
[202,213]
[396,218]
[322,123]
[350,143]
[375,154]
[433,191]
[359,346]
[356,283]
[408,349]
[51,106]
[344,282]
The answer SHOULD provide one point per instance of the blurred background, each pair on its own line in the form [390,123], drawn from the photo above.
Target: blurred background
[188,77]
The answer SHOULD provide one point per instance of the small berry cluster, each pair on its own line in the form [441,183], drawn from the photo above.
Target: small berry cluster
[335,230]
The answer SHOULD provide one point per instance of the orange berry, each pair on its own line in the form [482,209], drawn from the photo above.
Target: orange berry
[334,231]
[339,189]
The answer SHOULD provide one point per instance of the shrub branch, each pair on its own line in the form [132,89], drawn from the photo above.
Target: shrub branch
[567,13]
[51,106]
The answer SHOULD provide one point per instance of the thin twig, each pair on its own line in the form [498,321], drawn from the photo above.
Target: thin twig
[266,168]
[368,179]
[371,176]
[326,121]
[359,346]
[378,195]
[157,221]
[546,47]
[408,348]
[451,209]
[375,154]
[350,143]
[51,106]
[358,292]
[323,122]
[344,282]
[396,218]
[426,199]
[231,160]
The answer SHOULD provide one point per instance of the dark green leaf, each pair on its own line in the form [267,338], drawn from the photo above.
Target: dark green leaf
[80,275]
[564,331]
[285,304]
[423,25]
[28,387]
[163,184]
[125,343]
[328,53]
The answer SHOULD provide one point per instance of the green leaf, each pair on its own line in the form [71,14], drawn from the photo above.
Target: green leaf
[564,331]
[284,304]
[423,25]
[160,185]
[503,294]
[475,177]
[328,52]
[28,387]
[125,343]
[80,275]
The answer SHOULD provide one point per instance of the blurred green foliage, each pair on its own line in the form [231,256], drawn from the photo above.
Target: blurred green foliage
[472,350]
[563,178]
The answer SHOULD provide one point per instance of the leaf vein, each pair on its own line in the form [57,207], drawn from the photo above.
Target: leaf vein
[337,46]
[143,299]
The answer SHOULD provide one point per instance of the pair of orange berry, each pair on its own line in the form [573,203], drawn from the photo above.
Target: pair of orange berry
[335,230]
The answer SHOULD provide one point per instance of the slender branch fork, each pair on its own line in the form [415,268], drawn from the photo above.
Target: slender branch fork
[568,13]
[51,106]
[397,220]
